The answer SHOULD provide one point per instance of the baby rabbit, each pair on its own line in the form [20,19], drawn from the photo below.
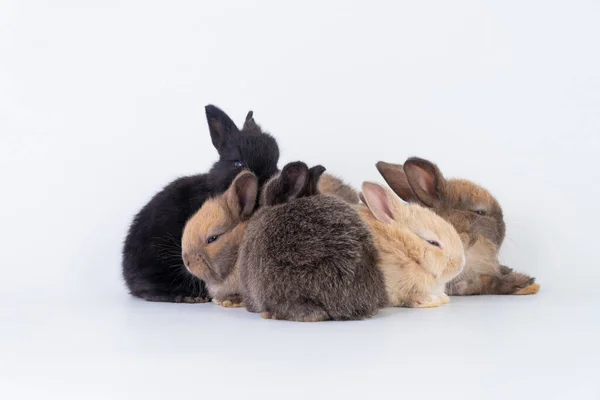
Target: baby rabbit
[477,217]
[212,237]
[419,251]
[334,186]
[152,264]
[308,257]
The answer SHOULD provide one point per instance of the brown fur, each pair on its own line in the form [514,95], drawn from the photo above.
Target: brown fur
[332,185]
[226,217]
[458,201]
[415,271]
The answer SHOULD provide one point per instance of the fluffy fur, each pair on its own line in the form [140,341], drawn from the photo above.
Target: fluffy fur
[474,213]
[308,257]
[419,251]
[212,237]
[152,265]
[334,186]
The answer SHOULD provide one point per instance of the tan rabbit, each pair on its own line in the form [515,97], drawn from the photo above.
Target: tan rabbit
[212,237]
[334,186]
[474,213]
[419,251]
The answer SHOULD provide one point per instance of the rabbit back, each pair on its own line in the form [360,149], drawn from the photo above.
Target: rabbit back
[312,255]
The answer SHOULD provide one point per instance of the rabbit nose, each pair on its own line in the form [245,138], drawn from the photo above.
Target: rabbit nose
[186,259]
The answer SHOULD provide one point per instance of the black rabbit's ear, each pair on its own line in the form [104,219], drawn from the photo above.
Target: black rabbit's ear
[220,125]
[314,175]
[426,181]
[290,184]
[397,180]
[241,195]
[250,125]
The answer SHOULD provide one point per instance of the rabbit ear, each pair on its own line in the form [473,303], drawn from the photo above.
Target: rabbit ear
[290,184]
[250,126]
[220,126]
[241,195]
[396,178]
[314,175]
[426,181]
[377,201]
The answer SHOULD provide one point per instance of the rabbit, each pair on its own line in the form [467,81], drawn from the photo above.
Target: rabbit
[152,266]
[212,237]
[419,251]
[334,186]
[474,213]
[308,257]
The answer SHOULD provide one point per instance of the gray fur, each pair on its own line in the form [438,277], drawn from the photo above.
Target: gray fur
[309,257]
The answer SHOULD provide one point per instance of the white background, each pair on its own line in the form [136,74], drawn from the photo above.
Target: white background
[101,104]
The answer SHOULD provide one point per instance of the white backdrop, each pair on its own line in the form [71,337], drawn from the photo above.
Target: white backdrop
[101,104]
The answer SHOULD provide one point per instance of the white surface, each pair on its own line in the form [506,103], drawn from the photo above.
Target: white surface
[101,103]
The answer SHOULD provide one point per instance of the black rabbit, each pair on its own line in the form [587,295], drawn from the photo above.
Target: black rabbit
[152,264]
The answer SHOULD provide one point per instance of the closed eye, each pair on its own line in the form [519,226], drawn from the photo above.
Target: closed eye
[434,243]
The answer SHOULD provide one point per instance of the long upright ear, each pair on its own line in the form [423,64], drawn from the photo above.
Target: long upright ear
[426,181]
[220,126]
[314,175]
[250,126]
[241,195]
[396,178]
[290,184]
[377,201]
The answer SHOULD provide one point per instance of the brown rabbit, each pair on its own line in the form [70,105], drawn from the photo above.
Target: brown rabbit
[474,213]
[334,186]
[212,237]
[419,252]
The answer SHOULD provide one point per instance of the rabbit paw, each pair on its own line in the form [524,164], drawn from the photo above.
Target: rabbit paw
[444,298]
[230,302]
[531,289]
[426,301]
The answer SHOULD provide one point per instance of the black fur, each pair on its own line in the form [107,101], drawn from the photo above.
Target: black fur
[152,264]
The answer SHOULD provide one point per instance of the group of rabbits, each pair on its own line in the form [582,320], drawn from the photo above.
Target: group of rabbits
[299,244]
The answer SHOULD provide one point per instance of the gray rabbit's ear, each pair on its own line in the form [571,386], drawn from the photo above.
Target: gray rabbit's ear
[219,125]
[241,195]
[397,180]
[250,126]
[314,175]
[290,184]
[426,181]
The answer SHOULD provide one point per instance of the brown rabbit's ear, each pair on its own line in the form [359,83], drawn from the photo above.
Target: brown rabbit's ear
[426,181]
[290,184]
[250,126]
[241,195]
[219,125]
[377,201]
[314,175]
[397,180]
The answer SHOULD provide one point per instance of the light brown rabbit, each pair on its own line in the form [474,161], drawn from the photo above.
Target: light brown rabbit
[334,186]
[212,237]
[419,251]
[476,215]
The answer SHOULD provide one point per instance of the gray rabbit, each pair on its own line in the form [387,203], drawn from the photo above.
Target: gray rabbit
[308,257]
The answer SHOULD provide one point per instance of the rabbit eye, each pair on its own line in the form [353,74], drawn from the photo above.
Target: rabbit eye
[480,212]
[212,239]
[238,164]
[434,243]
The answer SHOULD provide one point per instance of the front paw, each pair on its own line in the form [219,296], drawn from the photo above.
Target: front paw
[425,301]
[444,298]
[230,302]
